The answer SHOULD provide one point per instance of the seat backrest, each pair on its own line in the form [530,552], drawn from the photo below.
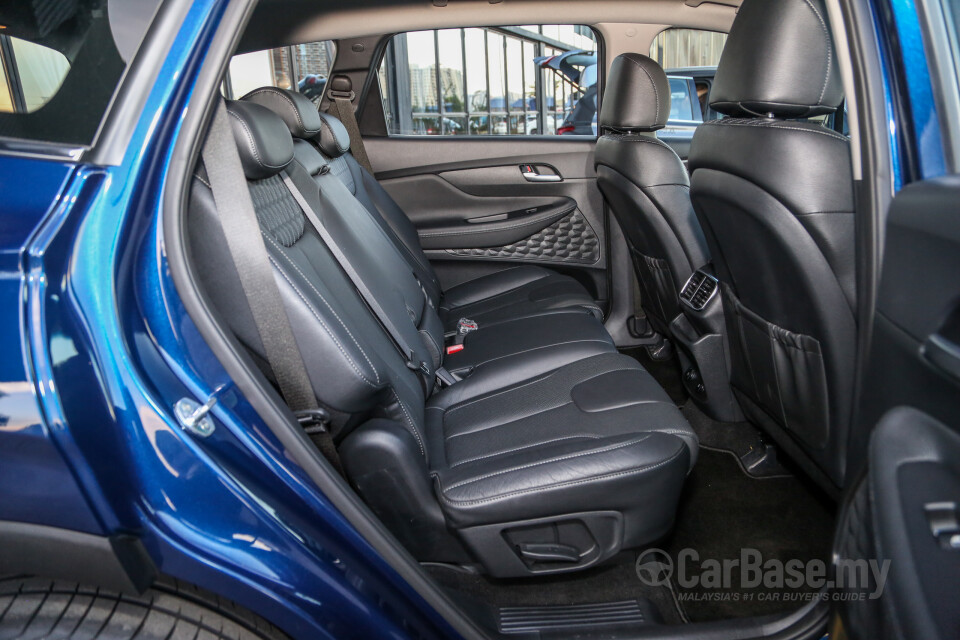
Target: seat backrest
[375,251]
[332,141]
[356,372]
[645,184]
[775,199]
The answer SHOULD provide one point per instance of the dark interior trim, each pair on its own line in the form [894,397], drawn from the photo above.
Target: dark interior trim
[873,193]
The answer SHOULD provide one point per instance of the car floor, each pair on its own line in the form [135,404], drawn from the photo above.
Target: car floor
[722,510]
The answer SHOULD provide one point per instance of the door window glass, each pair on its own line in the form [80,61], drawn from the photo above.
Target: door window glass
[530,80]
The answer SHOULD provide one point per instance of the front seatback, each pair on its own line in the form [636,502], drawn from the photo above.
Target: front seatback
[775,198]
[645,184]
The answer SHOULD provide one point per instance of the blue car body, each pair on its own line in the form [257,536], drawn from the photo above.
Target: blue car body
[98,348]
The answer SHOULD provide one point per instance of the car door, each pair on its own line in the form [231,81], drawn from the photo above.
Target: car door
[901,521]
[905,509]
[485,174]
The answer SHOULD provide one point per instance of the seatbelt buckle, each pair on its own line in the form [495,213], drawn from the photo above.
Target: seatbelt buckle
[464,327]
[313,420]
[454,348]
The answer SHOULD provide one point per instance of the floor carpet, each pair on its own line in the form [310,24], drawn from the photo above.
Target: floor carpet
[723,511]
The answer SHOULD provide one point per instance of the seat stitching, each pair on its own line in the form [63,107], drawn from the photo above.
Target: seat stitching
[571,456]
[826,36]
[507,292]
[540,379]
[656,93]
[253,146]
[323,324]
[569,483]
[760,123]
[509,422]
[409,420]
[319,295]
[527,383]
[498,272]
[625,138]
[333,133]
[276,92]
[540,348]
[528,446]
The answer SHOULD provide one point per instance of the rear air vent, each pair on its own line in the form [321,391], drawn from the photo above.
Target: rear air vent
[699,290]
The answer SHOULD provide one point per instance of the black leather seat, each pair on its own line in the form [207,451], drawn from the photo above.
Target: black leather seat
[540,460]
[645,185]
[775,198]
[503,295]
[553,336]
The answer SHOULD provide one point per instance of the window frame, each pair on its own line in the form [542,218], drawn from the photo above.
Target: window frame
[508,113]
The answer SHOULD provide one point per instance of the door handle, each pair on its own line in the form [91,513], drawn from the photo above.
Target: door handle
[943,353]
[530,174]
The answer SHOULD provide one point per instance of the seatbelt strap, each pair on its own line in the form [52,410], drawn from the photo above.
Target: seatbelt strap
[408,354]
[231,196]
[345,114]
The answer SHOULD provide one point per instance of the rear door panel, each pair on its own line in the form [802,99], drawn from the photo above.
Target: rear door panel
[477,213]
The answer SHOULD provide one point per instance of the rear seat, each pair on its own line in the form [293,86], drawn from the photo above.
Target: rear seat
[570,333]
[505,295]
[532,463]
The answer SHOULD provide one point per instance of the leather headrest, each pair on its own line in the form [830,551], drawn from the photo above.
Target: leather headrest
[637,95]
[297,111]
[779,60]
[334,140]
[263,140]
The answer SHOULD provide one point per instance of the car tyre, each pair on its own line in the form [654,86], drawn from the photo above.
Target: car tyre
[42,608]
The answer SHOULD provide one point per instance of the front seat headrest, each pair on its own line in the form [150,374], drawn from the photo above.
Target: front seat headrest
[637,95]
[263,140]
[779,61]
[298,112]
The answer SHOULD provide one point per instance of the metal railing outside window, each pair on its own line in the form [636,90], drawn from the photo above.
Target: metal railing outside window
[478,81]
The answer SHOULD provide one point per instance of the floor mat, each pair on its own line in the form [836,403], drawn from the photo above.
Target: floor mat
[615,581]
[724,511]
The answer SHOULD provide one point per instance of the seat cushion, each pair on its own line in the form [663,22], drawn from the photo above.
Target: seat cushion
[513,293]
[542,342]
[596,434]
